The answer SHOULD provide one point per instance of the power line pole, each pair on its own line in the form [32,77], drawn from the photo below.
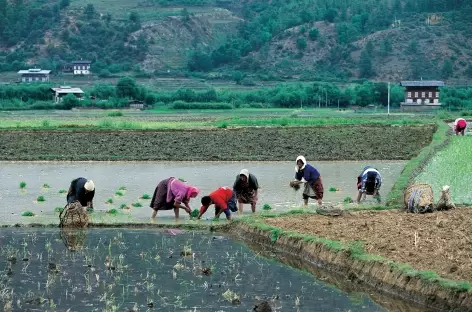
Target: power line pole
[388,99]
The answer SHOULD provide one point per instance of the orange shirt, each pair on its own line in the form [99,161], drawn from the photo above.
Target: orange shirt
[221,196]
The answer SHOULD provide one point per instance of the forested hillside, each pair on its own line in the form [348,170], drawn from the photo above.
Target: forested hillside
[322,39]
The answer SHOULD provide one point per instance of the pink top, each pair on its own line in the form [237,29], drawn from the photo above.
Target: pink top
[180,192]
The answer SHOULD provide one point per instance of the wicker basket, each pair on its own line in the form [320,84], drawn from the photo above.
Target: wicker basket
[74,216]
[445,201]
[419,198]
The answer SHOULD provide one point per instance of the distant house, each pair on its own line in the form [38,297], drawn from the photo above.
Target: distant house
[62,91]
[81,67]
[135,104]
[34,75]
[422,95]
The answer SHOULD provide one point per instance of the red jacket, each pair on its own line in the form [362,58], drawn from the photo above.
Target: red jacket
[221,196]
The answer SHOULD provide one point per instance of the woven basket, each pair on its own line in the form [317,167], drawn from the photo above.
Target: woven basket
[74,216]
[445,201]
[74,239]
[419,198]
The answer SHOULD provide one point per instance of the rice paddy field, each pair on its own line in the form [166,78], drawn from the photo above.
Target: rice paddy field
[451,166]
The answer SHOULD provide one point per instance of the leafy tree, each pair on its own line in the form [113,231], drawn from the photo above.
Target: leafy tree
[134,17]
[199,61]
[64,3]
[447,69]
[365,65]
[301,43]
[314,34]
[468,71]
[89,11]
[185,15]
[385,47]
[126,88]
[330,15]
[69,101]
[369,47]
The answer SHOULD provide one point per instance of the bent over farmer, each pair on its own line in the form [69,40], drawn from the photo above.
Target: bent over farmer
[459,126]
[368,183]
[224,200]
[83,191]
[310,176]
[246,187]
[174,194]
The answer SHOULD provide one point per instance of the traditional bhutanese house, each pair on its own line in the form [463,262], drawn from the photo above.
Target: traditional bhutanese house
[62,91]
[422,95]
[34,75]
[81,67]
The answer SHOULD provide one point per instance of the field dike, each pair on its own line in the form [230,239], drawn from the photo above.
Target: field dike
[363,270]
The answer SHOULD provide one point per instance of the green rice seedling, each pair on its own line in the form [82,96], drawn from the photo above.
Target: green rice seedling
[58,209]
[182,179]
[27,214]
[222,125]
[122,188]
[90,209]
[137,204]
[348,199]
[40,199]
[62,191]
[194,213]
[215,220]
[266,207]
[112,211]
[119,193]
[22,185]
[145,196]
[109,201]
[46,123]
[123,206]
[333,189]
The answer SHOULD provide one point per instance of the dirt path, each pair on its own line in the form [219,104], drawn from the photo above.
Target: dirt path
[443,245]
[250,144]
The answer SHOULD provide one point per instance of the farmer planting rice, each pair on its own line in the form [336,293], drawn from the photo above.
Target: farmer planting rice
[309,175]
[246,187]
[174,194]
[224,200]
[459,126]
[83,191]
[368,183]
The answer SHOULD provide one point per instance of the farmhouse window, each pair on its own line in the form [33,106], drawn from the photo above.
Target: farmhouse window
[430,94]
[423,94]
[416,94]
[409,95]
[437,94]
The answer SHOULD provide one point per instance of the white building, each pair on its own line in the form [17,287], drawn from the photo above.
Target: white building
[58,93]
[34,75]
[81,67]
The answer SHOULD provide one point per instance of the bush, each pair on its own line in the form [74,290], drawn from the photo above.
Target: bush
[313,34]
[69,101]
[301,43]
[115,114]
[185,105]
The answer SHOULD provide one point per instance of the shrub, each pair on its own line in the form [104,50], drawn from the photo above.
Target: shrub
[40,199]
[22,184]
[137,204]
[27,214]
[313,34]
[115,114]
[185,105]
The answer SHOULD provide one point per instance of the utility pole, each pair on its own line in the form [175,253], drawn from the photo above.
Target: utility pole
[319,101]
[338,104]
[388,99]
[326,98]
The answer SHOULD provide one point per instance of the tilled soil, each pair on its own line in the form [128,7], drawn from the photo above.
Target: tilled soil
[266,144]
[443,239]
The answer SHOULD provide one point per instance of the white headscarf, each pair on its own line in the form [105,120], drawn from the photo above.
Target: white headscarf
[89,185]
[245,172]
[304,163]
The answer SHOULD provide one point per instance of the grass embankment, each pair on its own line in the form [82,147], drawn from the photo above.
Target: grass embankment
[355,250]
[416,164]
[127,123]
[451,166]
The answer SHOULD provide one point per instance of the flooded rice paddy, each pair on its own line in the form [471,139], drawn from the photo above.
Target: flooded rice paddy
[141,178]
[151,270]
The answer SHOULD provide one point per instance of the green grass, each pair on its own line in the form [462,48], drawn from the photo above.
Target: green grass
[46,186]
[41,199]
[145,196]
[109,201]
[27,214]
[137,204]
[415,165]
[451,166]
[119,193]
[58,209]
[355,249]
[62,191]
[22,185]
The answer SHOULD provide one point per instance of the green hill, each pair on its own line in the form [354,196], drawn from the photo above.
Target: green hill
[243,40]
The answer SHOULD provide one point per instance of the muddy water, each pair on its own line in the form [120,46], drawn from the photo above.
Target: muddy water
[143,270]
[140,178]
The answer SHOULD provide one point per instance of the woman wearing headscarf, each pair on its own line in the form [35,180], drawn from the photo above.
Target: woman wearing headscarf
[310,176]
[368,183]
[246,187]
[174,194]
[83,191]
